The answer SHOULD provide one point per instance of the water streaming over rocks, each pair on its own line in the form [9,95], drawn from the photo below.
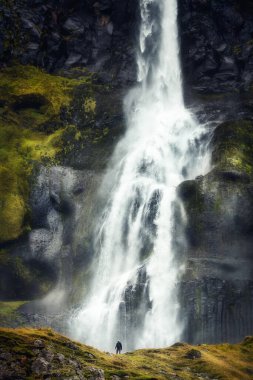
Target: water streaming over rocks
[133,295]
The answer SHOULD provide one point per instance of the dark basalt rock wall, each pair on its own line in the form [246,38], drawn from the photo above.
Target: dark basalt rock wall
[217,289]
[216,39]
[63,34]
[217,44]
[217,60]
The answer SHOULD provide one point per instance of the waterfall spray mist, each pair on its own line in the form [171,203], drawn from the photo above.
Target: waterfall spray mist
[133,294]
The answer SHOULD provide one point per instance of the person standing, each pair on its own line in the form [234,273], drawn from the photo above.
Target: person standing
[118,347]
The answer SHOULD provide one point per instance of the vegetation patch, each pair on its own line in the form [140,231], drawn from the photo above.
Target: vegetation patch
[39,354]
[31,130]
[233,146]
[7,308]
[9,312]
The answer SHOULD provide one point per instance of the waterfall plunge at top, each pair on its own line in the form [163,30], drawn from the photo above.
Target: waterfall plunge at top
[133,293]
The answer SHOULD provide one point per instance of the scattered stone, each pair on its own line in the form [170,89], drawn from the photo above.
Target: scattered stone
[47,354]
[38,343]
[91,356]
[81,377]
[73,363]
[193,354]
[96,374]
[40,365]
[60,357]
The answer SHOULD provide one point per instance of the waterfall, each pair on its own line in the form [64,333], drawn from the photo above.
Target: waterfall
[133,295]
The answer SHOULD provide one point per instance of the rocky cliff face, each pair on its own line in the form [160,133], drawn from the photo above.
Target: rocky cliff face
[217,55]
[60,126]
[216,44]
[63,34]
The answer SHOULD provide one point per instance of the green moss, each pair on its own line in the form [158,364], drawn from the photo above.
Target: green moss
[31,130]
[20,80]
[44,118]
[90,105]
[10,308]
[238,49]
[233,146]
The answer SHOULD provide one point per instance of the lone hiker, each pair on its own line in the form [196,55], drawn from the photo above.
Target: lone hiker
[118,347]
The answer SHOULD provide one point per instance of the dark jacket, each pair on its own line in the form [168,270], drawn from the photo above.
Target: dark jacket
[118,346]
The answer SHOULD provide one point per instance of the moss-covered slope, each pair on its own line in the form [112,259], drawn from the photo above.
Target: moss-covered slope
[41,354]
[45,118]
[31,130]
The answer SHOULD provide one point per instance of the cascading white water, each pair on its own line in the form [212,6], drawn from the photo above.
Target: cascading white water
[133,293]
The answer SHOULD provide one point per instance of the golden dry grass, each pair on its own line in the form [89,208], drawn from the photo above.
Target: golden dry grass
[225,361]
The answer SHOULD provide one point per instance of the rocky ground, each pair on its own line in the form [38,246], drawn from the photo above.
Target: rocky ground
[43,354]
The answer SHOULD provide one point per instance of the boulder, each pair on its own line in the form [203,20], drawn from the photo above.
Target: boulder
[40,366]
[193,354]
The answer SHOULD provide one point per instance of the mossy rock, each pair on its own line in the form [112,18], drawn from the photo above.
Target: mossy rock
[190,192]
[21,279]
[69,119]
[32,129]
[233,147]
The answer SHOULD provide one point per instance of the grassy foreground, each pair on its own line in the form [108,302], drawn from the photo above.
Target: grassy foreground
[44,354]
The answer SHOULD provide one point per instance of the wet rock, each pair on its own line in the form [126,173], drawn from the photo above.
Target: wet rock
[72,60]
[39,240]
[217,284]
[235,175]
[74,25]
